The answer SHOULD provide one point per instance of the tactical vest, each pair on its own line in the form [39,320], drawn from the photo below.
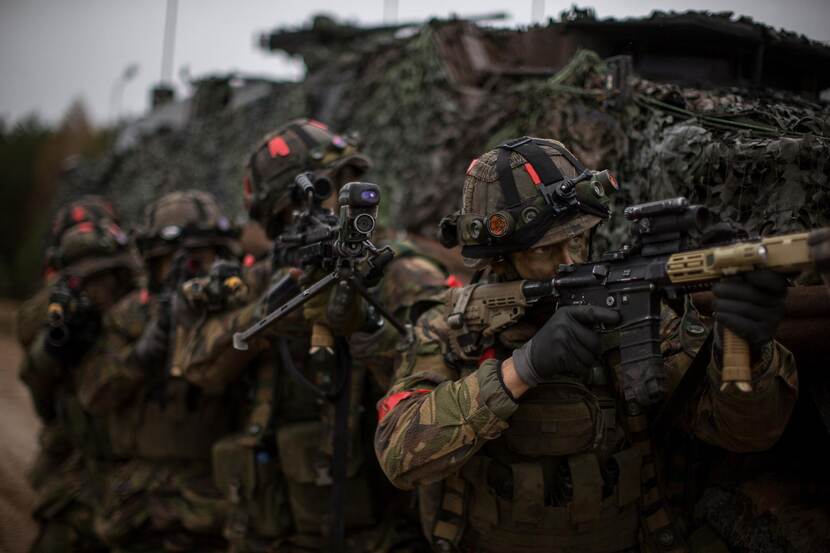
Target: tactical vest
[164,434]
[574,471]
[277,471]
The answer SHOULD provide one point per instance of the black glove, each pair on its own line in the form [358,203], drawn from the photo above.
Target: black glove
[567,345]
[69,342]
[151,348]
[751,305]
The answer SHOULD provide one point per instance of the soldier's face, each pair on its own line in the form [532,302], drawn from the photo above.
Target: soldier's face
[542,262]
[102,289]
[198,261]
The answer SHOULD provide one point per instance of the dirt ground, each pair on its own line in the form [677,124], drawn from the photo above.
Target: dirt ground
[19,427]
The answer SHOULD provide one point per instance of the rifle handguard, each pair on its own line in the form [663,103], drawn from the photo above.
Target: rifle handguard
[321,338]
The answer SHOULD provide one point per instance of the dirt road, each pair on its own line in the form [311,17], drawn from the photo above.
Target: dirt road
[18,433]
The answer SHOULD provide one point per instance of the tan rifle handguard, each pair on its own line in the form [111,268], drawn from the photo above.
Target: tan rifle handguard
[737,369]
[321,337]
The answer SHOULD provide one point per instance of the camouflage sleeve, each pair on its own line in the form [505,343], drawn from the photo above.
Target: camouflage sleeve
[107,375]
[31,316]
[203,351]
[733,420]
[410,285]
[433,419]
[42,374]
[754,421]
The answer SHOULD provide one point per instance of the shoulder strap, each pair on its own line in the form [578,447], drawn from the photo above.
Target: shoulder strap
[686,388]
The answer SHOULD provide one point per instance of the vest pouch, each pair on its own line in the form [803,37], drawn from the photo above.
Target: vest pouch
[203,509]
[126,501]
[562,418]
[179,427]
[308,479]
[249,479]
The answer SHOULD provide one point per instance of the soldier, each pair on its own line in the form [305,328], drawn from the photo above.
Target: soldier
[517,441]
[89,267]
[159,495]
[278,471]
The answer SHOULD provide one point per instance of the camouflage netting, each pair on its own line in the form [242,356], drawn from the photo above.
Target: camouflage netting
[207,154]
[760,159]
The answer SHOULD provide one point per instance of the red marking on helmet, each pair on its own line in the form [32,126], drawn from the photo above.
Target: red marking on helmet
[78,214]
[144,296]
[278,147]
[248,261]
[318,124]
[386,405]
[472,164]
[74,282]
[454,282]
[86,227]
[534,176]
[489,353]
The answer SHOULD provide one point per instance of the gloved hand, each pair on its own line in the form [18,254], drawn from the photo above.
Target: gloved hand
[751,305]
[567,345]
[68,343]
[340,308]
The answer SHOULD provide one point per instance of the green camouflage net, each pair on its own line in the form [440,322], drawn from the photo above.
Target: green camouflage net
[756,158]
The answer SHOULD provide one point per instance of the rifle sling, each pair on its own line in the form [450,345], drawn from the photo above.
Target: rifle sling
[686,388]
[340,449]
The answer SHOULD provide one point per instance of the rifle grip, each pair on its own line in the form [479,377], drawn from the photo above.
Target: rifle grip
[736,362]
[321,337]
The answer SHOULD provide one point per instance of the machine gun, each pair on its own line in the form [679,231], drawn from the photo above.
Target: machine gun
[660,264]
[339,245]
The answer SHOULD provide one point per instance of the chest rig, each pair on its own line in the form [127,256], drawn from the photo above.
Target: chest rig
[575,469]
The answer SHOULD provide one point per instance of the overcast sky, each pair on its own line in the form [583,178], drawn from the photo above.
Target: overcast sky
[54,51]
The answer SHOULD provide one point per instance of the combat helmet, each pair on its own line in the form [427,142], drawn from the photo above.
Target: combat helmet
[300,145]
[188,219]
[86,208]
[90,247]
[86,238]
[527,192]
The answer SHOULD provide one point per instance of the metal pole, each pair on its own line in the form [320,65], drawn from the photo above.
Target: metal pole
[537,11]
[169,41]
[117,91]
[390,11]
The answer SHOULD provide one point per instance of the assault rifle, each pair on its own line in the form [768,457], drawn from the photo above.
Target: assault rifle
[340,245]
[660,264]
[66,301]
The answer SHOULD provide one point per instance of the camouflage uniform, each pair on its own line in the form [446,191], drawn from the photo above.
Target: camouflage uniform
[159,495]
[566,468]
[74,451]
[277,469]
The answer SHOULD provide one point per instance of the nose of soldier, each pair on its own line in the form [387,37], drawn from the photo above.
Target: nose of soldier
[566,255]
